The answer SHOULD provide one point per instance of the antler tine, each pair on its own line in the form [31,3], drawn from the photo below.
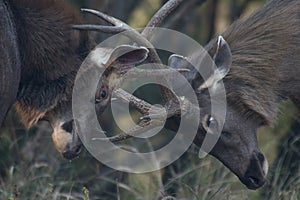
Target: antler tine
[105,29]
[146,122]
[117,28]
[122,27]
[107,18]
[152,120]
[141,105]
[159,16]
[144,125]
[147,33]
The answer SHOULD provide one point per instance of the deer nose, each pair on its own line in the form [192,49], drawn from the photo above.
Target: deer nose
[72,153]
[255,176]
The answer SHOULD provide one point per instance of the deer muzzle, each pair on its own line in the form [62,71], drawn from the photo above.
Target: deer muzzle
[255,176]
[67,141]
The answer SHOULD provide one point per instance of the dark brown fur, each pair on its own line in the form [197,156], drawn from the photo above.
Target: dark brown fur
[9,60]
[44,55]
[51,53]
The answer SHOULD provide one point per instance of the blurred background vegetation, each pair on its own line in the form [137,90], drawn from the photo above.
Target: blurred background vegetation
[30,167]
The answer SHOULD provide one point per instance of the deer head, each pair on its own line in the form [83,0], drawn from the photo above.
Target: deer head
[237,146]
[115,62]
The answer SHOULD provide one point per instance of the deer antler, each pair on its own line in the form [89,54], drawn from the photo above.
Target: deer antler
[139,38]
[152,115]
[118,27]
[172,103]
[159,16]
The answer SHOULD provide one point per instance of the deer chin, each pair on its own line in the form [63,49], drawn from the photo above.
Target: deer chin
[255,176]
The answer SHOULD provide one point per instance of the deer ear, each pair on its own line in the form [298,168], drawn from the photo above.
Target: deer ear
[180,62]
[128,55]
[221,54]
[117,57]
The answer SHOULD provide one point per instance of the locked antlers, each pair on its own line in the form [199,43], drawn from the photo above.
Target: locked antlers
[152,115]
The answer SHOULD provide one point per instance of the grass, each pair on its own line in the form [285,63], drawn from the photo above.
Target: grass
[31,169]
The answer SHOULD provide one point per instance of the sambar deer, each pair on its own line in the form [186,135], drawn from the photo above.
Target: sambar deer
[40,54]
[258,60]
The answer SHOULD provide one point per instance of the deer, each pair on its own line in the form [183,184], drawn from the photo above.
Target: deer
[40,55]
[256,59]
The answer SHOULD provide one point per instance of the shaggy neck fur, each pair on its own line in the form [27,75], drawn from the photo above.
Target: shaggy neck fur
[51,53]
[265,59]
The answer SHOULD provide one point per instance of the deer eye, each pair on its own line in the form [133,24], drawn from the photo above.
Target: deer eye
[103,95]
[210,124]
[211,121]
